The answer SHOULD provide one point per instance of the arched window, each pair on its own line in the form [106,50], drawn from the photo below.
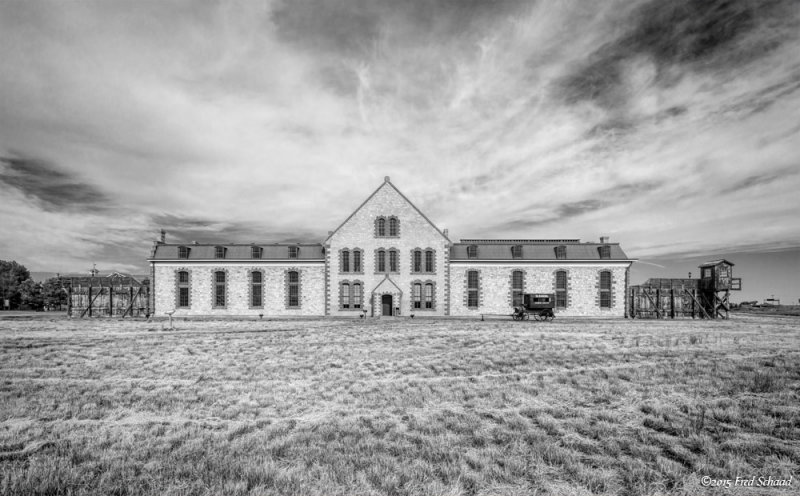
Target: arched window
[605,289]
[416,265]
[393,266]
[219,252]
[473,289]
[345,261]
[293,289]
[380,227]
[517,283]
[516,251]
[381,265]
[561,289]
[219,289]
[256,252]
[357,261]
[416,295]
[256,289]
[345,294]
[183,289]
[472,251]
[394,226]
[429,296]
[183,252]
[357,295]
[429,257]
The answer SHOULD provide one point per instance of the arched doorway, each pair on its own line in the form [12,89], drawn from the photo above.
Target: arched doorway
[386,305]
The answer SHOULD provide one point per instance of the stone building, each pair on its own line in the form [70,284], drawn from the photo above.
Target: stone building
[388,258]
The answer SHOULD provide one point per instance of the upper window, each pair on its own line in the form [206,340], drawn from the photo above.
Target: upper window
[561,252]
[345,260]
[256,289]
[380,266]
[219,288]
[183,252]
[357,261]
[473,288]
[472,251]
[256,252]
[517,283]
[380,227]
[561,289]
[605,289]
[429,257]
[605,251]
[393,262]
[183,289]
[416,262]
[516,251]
[294,251]
[394,226]
[293,289]
[219,251]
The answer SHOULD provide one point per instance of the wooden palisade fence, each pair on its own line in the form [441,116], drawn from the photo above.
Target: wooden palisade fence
[115,295]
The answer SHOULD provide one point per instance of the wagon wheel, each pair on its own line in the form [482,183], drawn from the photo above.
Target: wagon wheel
[515,316]
[536,316]
[548,316]
[526,316]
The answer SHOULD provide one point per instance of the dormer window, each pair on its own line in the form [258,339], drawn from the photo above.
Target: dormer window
[604,251]
[561,252]
[219,252]
[472,251]
[294,251]
[183,252]
[516,251]
[256,252]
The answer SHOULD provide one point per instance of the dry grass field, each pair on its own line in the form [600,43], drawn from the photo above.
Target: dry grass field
[331,407]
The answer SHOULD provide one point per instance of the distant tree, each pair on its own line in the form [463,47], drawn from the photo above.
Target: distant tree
[54,294]
[31,294]
[12,275]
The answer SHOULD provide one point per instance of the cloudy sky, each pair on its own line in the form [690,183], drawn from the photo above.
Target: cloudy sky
[673,127]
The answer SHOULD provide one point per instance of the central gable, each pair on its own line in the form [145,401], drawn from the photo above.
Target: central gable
[398,216]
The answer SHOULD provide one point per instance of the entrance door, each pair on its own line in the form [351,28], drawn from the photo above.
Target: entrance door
[386,305]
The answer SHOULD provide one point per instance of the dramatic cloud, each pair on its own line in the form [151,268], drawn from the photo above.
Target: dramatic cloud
[671,126]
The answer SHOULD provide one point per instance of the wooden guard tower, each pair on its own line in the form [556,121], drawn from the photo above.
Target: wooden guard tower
[707,297]
[716,284]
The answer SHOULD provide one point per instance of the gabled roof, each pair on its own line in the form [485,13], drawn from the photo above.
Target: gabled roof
[386,181]
[386,281]
[533,249]
[272,251]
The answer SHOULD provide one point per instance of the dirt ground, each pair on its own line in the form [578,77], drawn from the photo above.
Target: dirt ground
[435,407]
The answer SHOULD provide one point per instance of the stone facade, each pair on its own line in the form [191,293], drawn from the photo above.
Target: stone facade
[238,289]
[387,227]
[360,231]
[583,290]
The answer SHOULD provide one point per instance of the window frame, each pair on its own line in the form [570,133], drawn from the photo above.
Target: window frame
[393,230]
[561,293]
[472,252]
[181,286]
[219,289]
[473,291]
[293,286]
[256,252]
[517,291]
[256,287]
[516,252]
[344,261]
[605,302]
[604,251]
[220,252]
[183,252]
[293,252]
[561,252]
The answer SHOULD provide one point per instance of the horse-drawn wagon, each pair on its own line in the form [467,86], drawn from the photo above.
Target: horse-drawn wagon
[538,305]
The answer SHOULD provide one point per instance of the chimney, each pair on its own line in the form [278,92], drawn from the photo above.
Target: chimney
[603,239]
[163,237]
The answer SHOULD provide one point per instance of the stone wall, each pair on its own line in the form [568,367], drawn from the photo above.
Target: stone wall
[359,232]
[495,287]
[238,288]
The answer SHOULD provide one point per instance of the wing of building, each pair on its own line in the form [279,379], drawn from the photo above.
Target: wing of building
[388,258]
